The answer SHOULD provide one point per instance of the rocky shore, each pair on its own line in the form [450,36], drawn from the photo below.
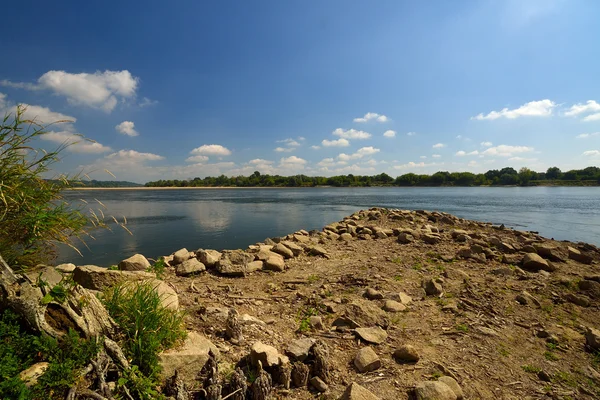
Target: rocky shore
[386,304]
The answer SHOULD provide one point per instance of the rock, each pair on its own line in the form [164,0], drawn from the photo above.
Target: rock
[458,232]
[592,338]
[592,288]
[180,256]
[578,256]
[315,322]
[189,267]
[97,278]
[373,294]
[264,253]
[136,262]
[187,358]
[430,238]
[267,355]
[452,384]
[578,300]
[525,298]
[30,375]
[300,349]
[346,237]
[464,252]
[506,247]
[248,319]
[318,251]
[462,238]
[49,275]
[302,238]
[168,297]
[406,354]
[393,306]
[65,268]
[274,263]
[432,288]
[254,266]
[367,360]
[362,313]
[209,258]
[281,249]
[434,390]
[318,384]
[405,238]
[533,262]
[296,250]
[503,271]
[529,249]
[374,334]
[356,392]
[402,298]
[380,235]
[234,263]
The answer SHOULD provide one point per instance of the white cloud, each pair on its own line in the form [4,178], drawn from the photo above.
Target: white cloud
[301,138]
[133,156]
[411,133]
[211,150]
[423,157]
[127,128]
[541,108]
[76,142]
[290,142]
[326,162]
[315,147]
[257,161]
[436,156]
[460,153]
[507,151]
[592,117]
[438,146]
[389,134]
[360,153]
[197,159]
[335,143]
[486,144]
[146,102]
[292,162]
[372,116]
[589,106]
[351,134]
[587,135]
[473,153]
[283,149]
[591,153]
[522,159]
[98,90]
[412,165]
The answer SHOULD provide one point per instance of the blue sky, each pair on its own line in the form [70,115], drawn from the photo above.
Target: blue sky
[186,89]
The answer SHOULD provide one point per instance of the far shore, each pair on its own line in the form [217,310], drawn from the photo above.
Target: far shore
[305,187]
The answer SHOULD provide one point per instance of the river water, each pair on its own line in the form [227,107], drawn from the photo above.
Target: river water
[163,221]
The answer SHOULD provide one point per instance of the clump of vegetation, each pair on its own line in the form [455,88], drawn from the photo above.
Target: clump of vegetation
[158,267]
[462,327]
[531,369]
[148,326]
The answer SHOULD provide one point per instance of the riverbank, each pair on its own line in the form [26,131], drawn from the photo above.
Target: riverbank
[396,300]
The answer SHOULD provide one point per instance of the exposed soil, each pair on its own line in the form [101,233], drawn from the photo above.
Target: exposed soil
[475,330]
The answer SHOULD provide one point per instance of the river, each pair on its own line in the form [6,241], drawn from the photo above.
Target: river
[163,221]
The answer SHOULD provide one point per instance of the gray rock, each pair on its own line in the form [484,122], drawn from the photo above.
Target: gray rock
[168,296]
[578,300]
[255,266]
[187,357]
[525,298]
[274,263]
[265,253]
[402,298]
[534,262]
[432,288]
[592,338]
[300,349]
[296,250]
[452,384]
[406,354]
[318,384]
[234,263]
[374,334]
[373,294]
[578,256]
[405,238]
[430,238]
[356,392]
[180,256]
[346,237]
[393,306]
[592,288]
[281,249]
[367,360]
[316,322]
[97,278]
[66,268]
[318,251]
[267,355]
[189,267]
[434,390]
[136,262]
[208,257]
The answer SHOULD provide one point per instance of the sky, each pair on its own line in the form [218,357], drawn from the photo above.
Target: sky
[177,90]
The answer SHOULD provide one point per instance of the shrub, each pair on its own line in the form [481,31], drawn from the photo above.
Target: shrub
[148,326]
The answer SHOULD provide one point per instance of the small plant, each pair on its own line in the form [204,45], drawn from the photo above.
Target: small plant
[566,378]
[436,374]
[158,267]
[462,328]
[531,369]
[398,278]
[113,268]
[550,356]
[547,308]
[397,260]
[313,278]
[503,351]
[304,316]
[418,267]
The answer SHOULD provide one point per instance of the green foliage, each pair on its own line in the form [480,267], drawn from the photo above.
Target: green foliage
[531,369]
[138,385]
[550,356]
[158,267]
[304,317]
[462,327]
[148,326]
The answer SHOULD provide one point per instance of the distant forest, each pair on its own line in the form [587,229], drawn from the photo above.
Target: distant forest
[589,176]
[97,184]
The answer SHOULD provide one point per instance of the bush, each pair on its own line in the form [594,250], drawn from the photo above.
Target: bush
[149,328]
[33,215]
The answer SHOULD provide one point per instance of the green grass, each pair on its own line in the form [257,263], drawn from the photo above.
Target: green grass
[531,369]
[397,260]
[550,356]
[304,317]
[462,327]
[149,328]
[158,267]
[566,378]
[398,278]
[418,267]
[312,278]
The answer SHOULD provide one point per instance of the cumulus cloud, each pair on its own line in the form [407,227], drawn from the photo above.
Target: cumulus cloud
[411,133]
[522,159]
[423,157]
[372,116]
[411,165]
[127,128]
[284,149]
[75,142]
[486,144]
[592,117]
[436,156]
[197,159]
[257,161]
[360,153]
[100,90]
[438,146]
[587,135]
[591,153]
[315,147]
[290,142]
[389,134]
[583,108]
[292,162]
[463,153]
[211,150]
[507,151]
[335,143]
[351,134]
[133,156]
[541,108]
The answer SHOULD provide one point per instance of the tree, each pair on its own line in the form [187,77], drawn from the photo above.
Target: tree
[525,175]
[553,173]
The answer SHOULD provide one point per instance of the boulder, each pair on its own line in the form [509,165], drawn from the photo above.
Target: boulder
[49,275]
[432,288]
[234,263]
[97,278]
[367,360]
[189,267]
[431,390]
[393,306]
[452,384]
[592,288]
[180,256]
[405,238]
[373,294]
[578,256]
[30,375]
[356,392]
[346,237]
[534,262]
[402,298]
[188,358]
[208,257]
[265,252]
[255,266]
[296,250]
[136,262]
[274,263]
[592,338]
[318,251]
[578,300]
[281,249]
[316,322]
[267,355]
[373,334]
[168,297]
[300,349]
[431,238]
[318,384]
[362,313]
[65,268]
[406,354]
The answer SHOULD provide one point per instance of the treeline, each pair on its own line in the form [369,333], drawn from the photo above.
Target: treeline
[95,184]
[505,176]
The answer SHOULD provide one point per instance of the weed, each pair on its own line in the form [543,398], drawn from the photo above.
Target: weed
[158,267]
[551,346]
[312,278]
[566,378]
[113,268]
[397,260]
[304,317]
[503,350]
[436,374]
[462,327]
[531,369]
[547,308]
[550,356]
[398,278]
[418,267]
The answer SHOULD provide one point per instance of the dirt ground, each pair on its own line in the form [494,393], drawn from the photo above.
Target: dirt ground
[474,330]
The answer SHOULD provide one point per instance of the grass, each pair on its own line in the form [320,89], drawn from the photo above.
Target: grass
[148,326]
[304,317]
[566,378]
[418,267]
[550,356]
[502,350]
[397,260]
[398,278]
[312,278]
[462,327]
[531,369]
[158,267]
